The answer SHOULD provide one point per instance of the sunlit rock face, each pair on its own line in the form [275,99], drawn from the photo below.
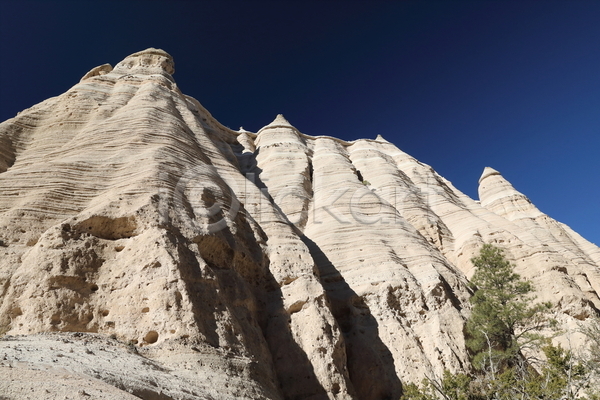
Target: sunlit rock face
[268,265]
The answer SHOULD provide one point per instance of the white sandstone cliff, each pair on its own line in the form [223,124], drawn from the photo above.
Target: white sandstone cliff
[232,264]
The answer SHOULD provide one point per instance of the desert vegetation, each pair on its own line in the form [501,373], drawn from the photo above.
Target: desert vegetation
[511,349]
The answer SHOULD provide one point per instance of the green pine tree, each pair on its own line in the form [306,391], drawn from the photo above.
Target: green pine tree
[503,321]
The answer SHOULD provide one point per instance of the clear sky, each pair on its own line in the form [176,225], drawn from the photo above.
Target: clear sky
[459,85]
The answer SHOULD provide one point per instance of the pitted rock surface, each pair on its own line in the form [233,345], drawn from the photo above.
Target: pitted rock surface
[221,264]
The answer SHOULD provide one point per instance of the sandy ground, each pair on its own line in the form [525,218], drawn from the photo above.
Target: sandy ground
[84,366]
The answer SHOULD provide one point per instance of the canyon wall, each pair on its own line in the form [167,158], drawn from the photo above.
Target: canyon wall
[233,264]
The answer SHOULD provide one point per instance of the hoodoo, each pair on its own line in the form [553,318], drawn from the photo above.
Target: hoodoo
[147,250]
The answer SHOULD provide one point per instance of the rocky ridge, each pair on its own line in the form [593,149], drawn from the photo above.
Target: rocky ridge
[272,265]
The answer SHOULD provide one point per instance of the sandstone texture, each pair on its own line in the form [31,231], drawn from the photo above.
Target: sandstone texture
[147,251]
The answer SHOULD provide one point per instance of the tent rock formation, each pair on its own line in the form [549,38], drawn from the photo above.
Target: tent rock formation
[221,264]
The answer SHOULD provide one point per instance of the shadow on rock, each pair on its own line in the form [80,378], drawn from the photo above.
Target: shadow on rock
[370,362]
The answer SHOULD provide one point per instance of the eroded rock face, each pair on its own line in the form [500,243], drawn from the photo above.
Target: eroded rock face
[274,264]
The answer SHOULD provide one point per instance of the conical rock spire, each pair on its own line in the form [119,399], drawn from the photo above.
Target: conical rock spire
[263,260]
[488,171]
[498,195]
[278,122]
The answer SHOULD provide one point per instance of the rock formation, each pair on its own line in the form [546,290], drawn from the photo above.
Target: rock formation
[186,260]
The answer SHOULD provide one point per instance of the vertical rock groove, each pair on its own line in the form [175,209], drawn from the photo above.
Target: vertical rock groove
[272,265]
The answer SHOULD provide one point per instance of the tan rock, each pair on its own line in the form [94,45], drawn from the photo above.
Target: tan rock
[244,265]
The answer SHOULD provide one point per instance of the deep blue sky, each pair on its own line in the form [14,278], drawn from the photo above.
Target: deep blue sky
[459,85]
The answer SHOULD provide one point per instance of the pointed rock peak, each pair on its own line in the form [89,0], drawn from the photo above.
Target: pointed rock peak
[488,171]
[380,139]
[280,121]
[149,59]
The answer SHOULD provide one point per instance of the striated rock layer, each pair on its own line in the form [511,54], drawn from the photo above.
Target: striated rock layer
[268,265]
